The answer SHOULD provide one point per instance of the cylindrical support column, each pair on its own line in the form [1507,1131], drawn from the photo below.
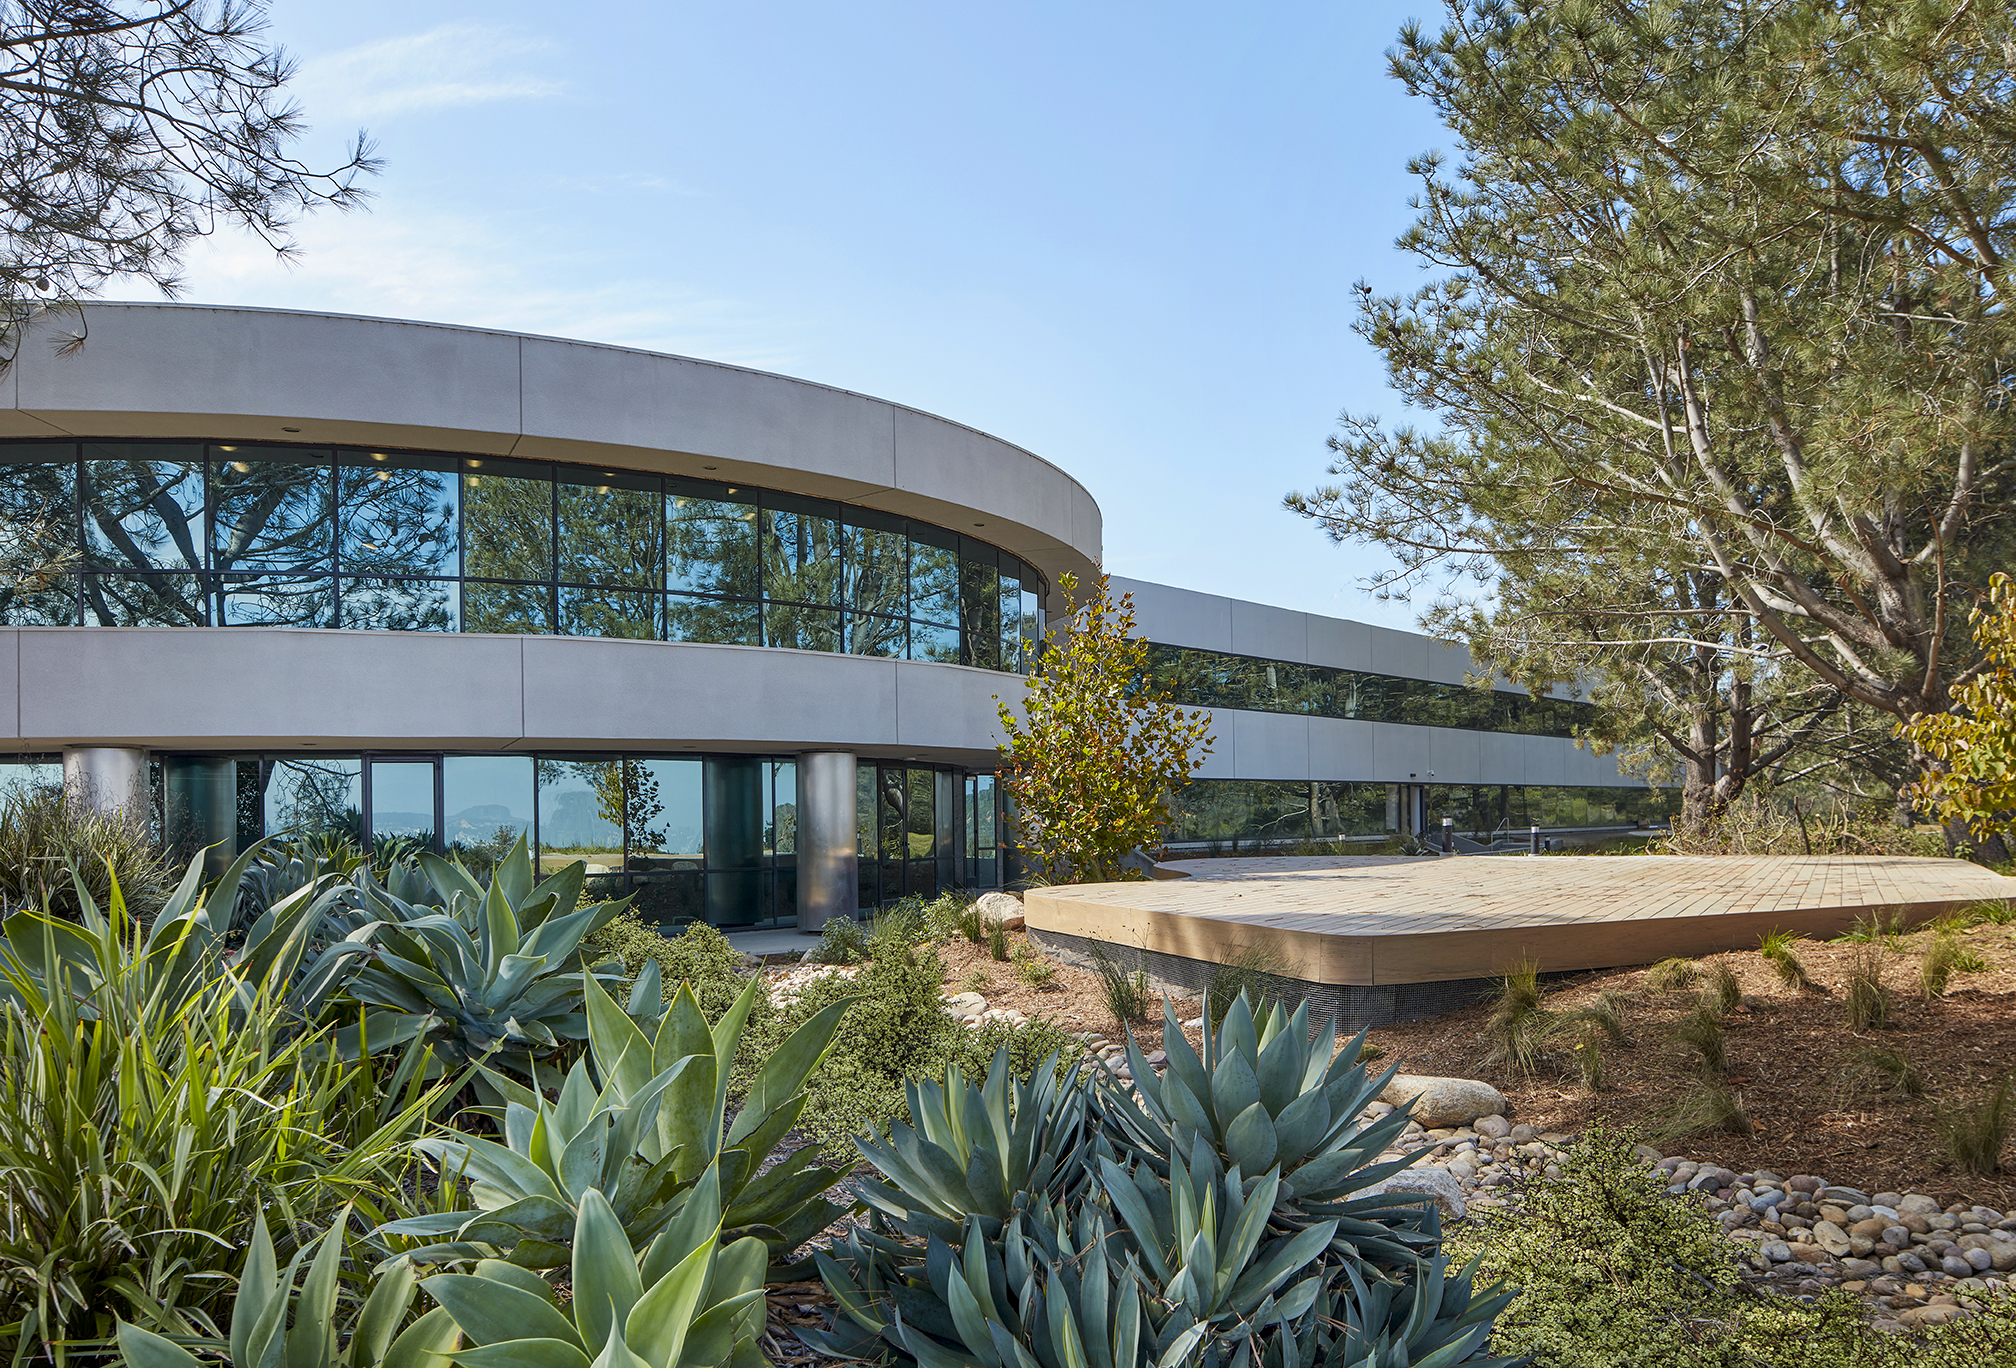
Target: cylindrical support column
[828,878]
[107,778]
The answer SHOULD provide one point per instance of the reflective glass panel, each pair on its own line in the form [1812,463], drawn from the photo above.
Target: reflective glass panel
[801,628]
[1032,629]
[397,519]
[506,607]
[143,506]
[145,599]
[507,522]
[21,777]
[877,567]
[309,794]
[274,601]
[611,532]
[980,611]
[667,899]
[889,809]
[402,605]
[581,812]
[920,815]
[934,576]
[730,622]
[664,815]
[402,799]
[486,804]
[782,837]
[38,535]
[801,558]
[711,545]
[270,509]
[934,641]
[877,636]
[1010,653]
[609,612]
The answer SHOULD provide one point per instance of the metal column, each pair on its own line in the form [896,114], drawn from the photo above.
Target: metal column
[828,883]
[107,778]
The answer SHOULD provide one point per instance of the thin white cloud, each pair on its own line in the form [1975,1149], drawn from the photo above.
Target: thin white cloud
[453,268]
[452,64]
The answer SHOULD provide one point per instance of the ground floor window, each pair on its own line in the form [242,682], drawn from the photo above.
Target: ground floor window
[1269,811]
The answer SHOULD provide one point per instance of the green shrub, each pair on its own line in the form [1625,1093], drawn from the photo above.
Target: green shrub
[1612,1270]
[897,1030]
[1701,1031]
[1520,1023]
[1938,964]
[1033,968]
[997,941]
[43,832]
[1776,949]
[1867,1000]
[1704,1106]
[1127,996]
[1673,975]
[1890,1070]
[1973,1133]
[699,955]
[842,940]
[1723,987]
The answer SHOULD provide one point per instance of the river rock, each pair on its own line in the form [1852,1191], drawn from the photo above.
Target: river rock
[1445,1101]
[1831,1238]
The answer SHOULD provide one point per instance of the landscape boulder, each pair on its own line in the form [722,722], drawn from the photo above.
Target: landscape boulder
[1436,1184]
[1444,1101]
[1005,908]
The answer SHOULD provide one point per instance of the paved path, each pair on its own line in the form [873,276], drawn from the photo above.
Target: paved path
[1362,919]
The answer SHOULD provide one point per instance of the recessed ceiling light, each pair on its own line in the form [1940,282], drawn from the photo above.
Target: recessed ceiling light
[710,467]
[288,429]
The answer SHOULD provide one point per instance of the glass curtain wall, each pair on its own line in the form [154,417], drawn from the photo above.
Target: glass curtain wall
[183,534]
[1264,811]
[913,828]
[1215,679]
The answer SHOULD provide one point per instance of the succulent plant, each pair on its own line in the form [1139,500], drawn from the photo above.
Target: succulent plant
[1271,1095]
[273,1322]
[488,975]
[1428,1319]
[987,1150]
[689,1302]
[657,1125]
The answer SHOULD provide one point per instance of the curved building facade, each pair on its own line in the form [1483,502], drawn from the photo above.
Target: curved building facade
[735,639]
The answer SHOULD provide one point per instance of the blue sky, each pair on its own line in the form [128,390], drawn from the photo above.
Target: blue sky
[1121,235]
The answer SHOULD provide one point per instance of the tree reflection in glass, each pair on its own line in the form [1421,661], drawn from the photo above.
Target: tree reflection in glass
[38,536]
[144,518]
[611,532]
[507,533]
[711,546]
[874,587]
[396,522]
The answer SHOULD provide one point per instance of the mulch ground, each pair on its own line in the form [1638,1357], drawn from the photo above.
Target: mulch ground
[1817,1105]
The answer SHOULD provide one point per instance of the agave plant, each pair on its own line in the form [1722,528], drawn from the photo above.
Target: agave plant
[656,1126]
[984,1150]
[273,1322]
[690,1302]
[1272,1096]
[481,974]
[1189,1278]
[1425,1320]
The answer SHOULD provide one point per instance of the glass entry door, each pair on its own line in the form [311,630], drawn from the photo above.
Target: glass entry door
[404,797]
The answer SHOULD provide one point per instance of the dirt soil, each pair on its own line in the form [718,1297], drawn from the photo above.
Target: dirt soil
[1792,1059]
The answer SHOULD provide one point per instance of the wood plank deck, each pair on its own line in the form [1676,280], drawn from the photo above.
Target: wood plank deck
[1382,920]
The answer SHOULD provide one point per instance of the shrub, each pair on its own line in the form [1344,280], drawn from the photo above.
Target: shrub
[1867,1000]
[1974,1133]
[1701,1031]
[1705,1106]
[1602,1257]
[1127,995]
[897,1030]
[1519,1024]
[43,832]
[1673,975]
[699,955]
[1937,965]
[1890,1069]
[1034,969]
[1724,988]
[842,940]
[997,941]
[1776,949]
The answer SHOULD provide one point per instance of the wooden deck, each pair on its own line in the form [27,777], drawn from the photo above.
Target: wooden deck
[1395,920]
